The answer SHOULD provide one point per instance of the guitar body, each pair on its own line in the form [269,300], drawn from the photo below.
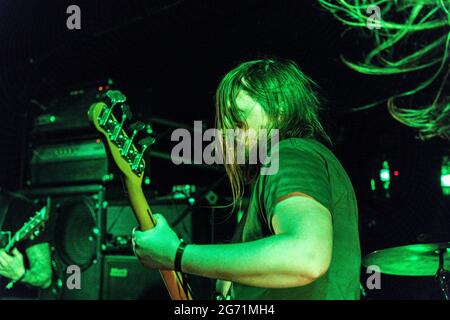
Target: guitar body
[131,163]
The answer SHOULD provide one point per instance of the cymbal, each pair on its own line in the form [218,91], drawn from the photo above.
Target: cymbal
[410,260]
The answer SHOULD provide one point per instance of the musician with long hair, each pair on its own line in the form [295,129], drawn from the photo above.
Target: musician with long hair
[299,237]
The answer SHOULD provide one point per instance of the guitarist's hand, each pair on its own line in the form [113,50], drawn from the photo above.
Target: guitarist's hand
[11,266]
[156,248]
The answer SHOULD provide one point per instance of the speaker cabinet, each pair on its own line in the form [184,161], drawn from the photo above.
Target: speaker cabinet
[76,228]
[123,275]
[120,219]
[95,235]
[125,278]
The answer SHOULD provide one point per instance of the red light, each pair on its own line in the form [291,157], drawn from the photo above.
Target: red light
[107,87]
[98,141]
[396,173]
[100,88]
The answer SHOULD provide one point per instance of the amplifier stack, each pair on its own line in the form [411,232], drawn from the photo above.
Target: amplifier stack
[89,224]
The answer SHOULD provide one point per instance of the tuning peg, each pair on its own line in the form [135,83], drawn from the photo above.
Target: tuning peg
[126,114]
[127,111]
[135,128]
[144,143]
[149,129]
[137,163]
[116,97]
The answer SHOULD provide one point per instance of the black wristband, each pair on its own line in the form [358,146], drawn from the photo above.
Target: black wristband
[179,255]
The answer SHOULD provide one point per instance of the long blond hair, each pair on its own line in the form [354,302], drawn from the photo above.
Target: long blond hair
[285,93]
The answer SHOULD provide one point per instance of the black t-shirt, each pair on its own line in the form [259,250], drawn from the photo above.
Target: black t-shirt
[18,210]
[306,166]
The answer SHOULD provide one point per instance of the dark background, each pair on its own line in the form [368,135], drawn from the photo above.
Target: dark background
[169,56]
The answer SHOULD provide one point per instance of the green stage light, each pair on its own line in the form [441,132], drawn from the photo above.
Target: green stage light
[445,176]
[445,180]
[372,185]
[385,175]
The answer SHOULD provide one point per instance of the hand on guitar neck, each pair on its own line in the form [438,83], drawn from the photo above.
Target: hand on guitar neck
[156,248]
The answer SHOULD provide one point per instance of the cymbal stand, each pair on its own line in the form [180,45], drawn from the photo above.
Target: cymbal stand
[442,274]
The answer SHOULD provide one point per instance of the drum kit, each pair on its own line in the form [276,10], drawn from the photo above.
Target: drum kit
[415,260]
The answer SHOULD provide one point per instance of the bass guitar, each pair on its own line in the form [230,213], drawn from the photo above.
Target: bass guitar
[129,158]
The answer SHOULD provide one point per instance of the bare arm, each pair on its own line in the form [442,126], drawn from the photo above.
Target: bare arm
[298,253]
[40,273]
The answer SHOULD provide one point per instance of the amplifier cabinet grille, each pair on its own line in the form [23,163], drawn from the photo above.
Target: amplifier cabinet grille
[76,228]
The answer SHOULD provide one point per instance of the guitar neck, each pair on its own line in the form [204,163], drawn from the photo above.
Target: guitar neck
[174,281]
[11,244]
[15,239]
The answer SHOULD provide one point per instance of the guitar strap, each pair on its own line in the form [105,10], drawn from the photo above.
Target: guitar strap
[239,231]
[237,238]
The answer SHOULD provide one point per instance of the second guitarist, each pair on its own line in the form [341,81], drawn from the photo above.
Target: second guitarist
[29,264]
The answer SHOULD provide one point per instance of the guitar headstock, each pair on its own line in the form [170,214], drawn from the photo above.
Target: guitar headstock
[30,228]
[34,223]
[128,158]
